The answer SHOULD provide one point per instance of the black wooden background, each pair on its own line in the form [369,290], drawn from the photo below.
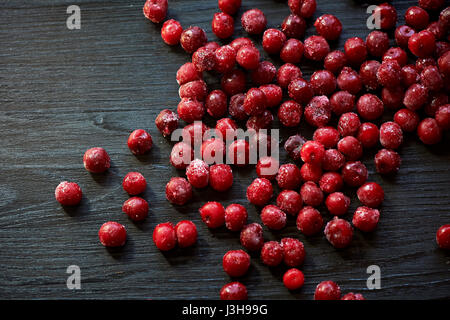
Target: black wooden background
[63,91]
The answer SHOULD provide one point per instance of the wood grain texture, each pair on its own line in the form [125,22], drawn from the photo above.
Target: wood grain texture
[64,91]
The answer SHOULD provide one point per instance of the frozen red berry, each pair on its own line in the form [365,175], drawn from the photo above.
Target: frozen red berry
[178,191]
[286,73]
[290,113]
[197,173]
[187,73]
[333,160]
[248,57]
[96,160]
[236,107]
[204,59]
[236,263]
[311,172]
[309,221]
[318,111]
[331,182]
[371,194]
[293,279]
[350,147]
[171,32]
[422,44]
[136,208]
[327,136]
[323,82]
[407,119]
[292,51]
[410,75]
[391,135]
[181,155]
[190,110]
[255,101]
[289,176]
[443,237]
[220,177]
[165,236]
[155,10]
[377,43]
[355,50]
[348,124]
[415,97]
[353,296]
[328,26]
[389,74]
[429,131]
[68,193]
[368,74]
[392,98]
[273,41]
[339,233]
[254,21]
[166,122]
[251,237]
[304,8]
[194,90]
[416,17]
[442,117]
[213,214]
[229,6]
[387,15]
[134,183]
[239,153]
[272,253]
[259,191]
[311,194]
[112,234]
[366,219]
[233,291]
[370,107]
[368,134]
[327,290]
[431,78]
[192,39]
[290,202]
[300,90]
[337,203]
[387,161]
[293,26]
[335,61]
[294,252]
[316,48]
[349,80]
[235,217]
[227,128]
[312,152]
[431,4]
[213,150]
[186,233]
[267,167]
[354,173]
[273,217]
[222,25]
[402,35]
[264,73]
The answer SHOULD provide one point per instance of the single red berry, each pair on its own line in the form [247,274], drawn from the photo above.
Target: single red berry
[134,183]
[353,296]
[355,50]
[155,10]
[286,73]
[273,41]
[273,217]
[264,73]
[366,219]
[235,217]
[204,59]
[392,98]
[178,191]
[229,6]
[293,146]
[309,221]
[431,78]
[331,182]
[438,30]
[311,172]
[96,160]
[193,133]
[220,177]
[68,193]
[192,39]
[112,234]
[335,61]
[387,14]
[254,21]
[222,25]
[389,74]
[410,75]
[318,111]
[267,167]
[371,194]
[444,63]
[328,26]
[339,233]
[333,160]
[416,17]
[300,90]
[349,80]
[342,102]
[368,74]
[255,101]
[290,113]
[435,101]
[443,237]
[273,93]
[292,51]
[350,147]
[290,202]
[312,152]
[377,43]
[190,110]
[194,90]
[233,82]
[213,214]
[316,48]
[442,117]
[226,127]
[368,134]
[369,106]
[251,237]
[294,252]
[422,44]
[186,233]
[197,173]
[348,124]
[391,135]
[233,291]
[323,82]
[293,26]
[259,191]
[236,107]
[181,155]
[236,263]
[303,8]
[415,97]
[429,131]
[402,35]
[407,119]
[311,194]
[166,122]
[387,161]
[272,253]
[213,150]
[187,73]
[327,136]
[327,290]
[136,208]
[165,236]
[216,103]
[397,54]
[354,173]
[337,203]
[248,57]
[239,152]
[171,32]
[288,176]
[293,279]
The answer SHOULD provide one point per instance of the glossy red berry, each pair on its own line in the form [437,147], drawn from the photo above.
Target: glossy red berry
[387,161]
[294,252]
[442,117]
[328,26]
[335,61]
[311,194]
[354,173]
[333,160]
[136,208]
[349,80]
[134,183]
[371,194]
[272,253]
[251,237]
[192,39]
[402,35]
[155,10]
[233,291]
[415,97]
[292,51]
[273,41]
[416,17]
[429,131]
[166,122]
[190,110]
[220,177]
[213,214]
[288,176]
[171,32]
[304,8]
[309,221]
[233,82]
[300,90]
[369,106]
[337,203]
[186,232]
[254,21]
[397,54]
[323,82]
[407,119]
[431,78]
[355,51]
[165,236]
[368,134]
[293,279]
[366,219]
[290,202]
[112,234]
[387,14]
[311,172]
[286,73]
[316,48]
[318,111]
[331,182]
[197,173]
[68,193]
[229,6]
[342,102]
[187,73]
[339,233]
[235,217]
[96,160]
[293,26]
[422,44]
[194,90]
[236,263]
[327,136]
[389,74]
[204,59]
[350,147]
[181,155]
[267,167]
[222,25]
[259,191]
[391,135]
[264,73]
[377,43]
[327,290]
[348,124]
[178,191]
[443,237]
[290,113]
[273,217]
[248,57]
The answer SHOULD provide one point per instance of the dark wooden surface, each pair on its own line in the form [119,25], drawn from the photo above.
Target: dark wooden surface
[64,91]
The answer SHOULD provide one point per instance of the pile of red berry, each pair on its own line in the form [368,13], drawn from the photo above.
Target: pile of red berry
[355,86]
